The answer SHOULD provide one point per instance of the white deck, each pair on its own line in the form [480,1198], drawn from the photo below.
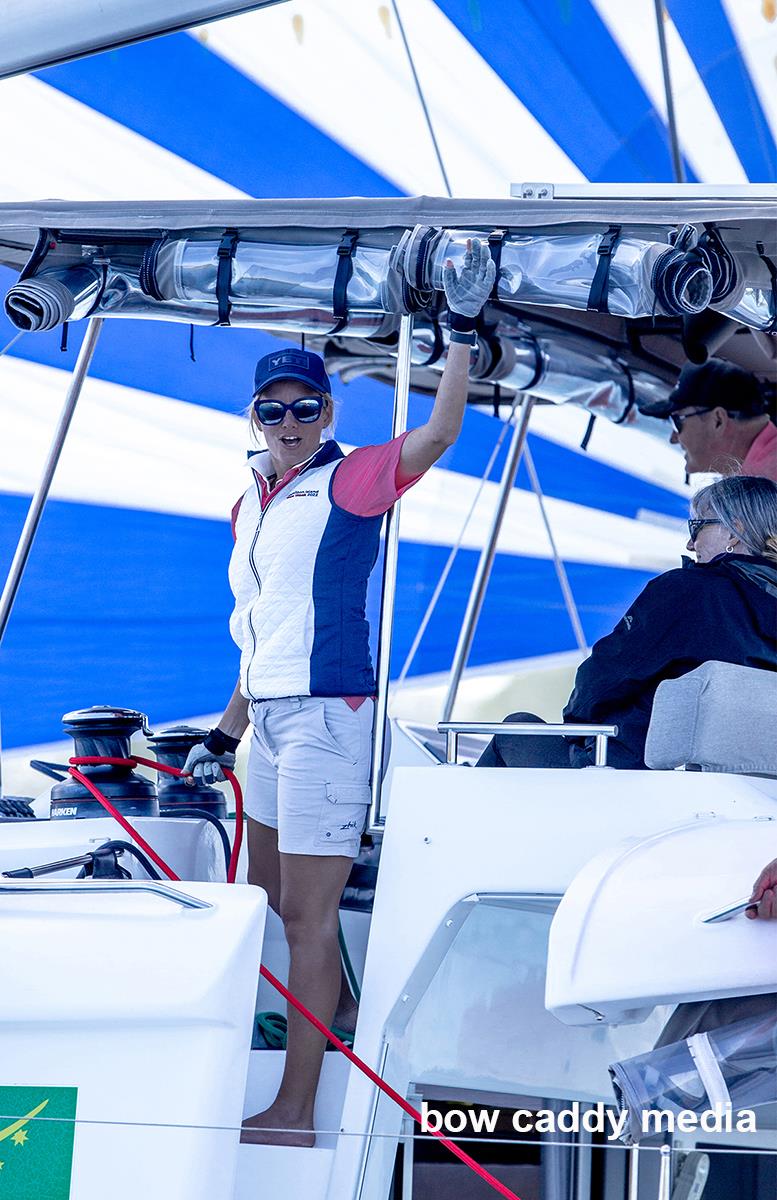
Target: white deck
[472,869]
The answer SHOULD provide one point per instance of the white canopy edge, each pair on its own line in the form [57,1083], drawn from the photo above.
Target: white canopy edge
[40,34]
[367,213]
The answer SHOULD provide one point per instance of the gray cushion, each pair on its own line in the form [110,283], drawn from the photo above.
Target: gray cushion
[720,717]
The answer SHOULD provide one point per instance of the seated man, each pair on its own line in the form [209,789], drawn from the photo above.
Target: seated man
[722,607]
[721,419]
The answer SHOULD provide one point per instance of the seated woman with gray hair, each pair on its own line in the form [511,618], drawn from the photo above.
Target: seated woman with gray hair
[722,607]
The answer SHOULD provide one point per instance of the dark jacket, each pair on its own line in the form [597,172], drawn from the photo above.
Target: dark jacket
[724,610]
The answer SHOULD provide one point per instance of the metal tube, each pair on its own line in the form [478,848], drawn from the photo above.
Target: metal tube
[600,751]
[451,557]
[524,728]
[665,1174]
[633,1173]
[451,746]
[677,158]
[561,571]
[367,1142]
[483,572]
[88,888]
[583,1161]
[408,1145]
[390,554]
[38,501]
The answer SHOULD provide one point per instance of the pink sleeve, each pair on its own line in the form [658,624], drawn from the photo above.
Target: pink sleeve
[235,512]
[370,479]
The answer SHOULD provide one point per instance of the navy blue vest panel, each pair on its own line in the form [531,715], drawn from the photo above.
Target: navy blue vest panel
[340,662]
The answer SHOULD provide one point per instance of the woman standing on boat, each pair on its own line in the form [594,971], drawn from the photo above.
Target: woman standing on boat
[306,538]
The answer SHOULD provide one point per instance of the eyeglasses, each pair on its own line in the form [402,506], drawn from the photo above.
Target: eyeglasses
[679,419]
[305,409]
[697,523]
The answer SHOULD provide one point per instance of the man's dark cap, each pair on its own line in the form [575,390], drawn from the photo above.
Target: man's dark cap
[292,364]
[714,384]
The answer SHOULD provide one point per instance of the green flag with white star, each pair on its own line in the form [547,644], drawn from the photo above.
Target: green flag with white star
[37,1126]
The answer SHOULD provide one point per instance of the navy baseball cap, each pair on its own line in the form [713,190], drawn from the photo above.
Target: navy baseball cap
[292,364]
[714,384]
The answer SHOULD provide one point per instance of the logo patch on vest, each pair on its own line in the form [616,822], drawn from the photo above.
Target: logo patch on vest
[302,494]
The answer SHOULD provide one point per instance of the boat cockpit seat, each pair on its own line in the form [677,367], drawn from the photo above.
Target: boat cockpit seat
[720,717]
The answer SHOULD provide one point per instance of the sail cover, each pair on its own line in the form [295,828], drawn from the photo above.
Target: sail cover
[317,98]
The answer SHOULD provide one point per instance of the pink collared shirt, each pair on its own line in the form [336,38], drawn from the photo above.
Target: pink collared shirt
[761,458]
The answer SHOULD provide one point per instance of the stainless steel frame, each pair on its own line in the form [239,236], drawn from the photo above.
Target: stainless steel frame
[389,588]
[558,562]
[38,501]
[665,1173]
[486,561]
[526,729]
[370,1131]
[124,888]
[415,1098]
[633,1173]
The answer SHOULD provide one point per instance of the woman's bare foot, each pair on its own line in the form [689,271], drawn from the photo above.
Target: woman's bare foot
[276,1126]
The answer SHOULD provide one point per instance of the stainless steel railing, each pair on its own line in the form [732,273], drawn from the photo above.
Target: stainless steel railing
[124,888]
[601,733]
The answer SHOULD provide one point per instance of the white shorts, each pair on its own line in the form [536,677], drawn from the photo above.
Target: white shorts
[308,772]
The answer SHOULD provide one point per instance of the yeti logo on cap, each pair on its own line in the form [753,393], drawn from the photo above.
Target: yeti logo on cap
[290,358]
[292,364]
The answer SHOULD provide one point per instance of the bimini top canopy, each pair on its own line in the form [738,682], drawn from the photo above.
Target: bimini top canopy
[596,301]
[40,34]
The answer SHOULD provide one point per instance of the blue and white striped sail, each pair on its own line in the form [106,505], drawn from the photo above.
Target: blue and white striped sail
[125,598]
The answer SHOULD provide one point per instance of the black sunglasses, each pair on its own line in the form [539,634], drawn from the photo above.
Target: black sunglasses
[305,409]
[697,523]
[679,419]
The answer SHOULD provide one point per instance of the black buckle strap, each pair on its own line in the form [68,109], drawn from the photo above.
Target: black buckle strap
[712,247]
[632,396]
[496,241]
[588,431]
[772,269]
[597,297]
[226,253]
[342,279]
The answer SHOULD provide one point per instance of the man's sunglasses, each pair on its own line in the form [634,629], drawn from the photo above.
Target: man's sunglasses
[697,523]
[305,409]
[679,419]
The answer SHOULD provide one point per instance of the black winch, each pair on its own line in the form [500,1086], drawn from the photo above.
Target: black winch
[105,732]
[171,747]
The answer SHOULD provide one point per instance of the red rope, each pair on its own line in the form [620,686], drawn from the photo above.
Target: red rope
[385,1087]
[117,816]
[288,996]
[97,760]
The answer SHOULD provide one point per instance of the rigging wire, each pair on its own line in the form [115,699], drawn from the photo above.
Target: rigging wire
[369,1135]
[561,572]
[453,552]
[677,159]
[421,97]
[12,342]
